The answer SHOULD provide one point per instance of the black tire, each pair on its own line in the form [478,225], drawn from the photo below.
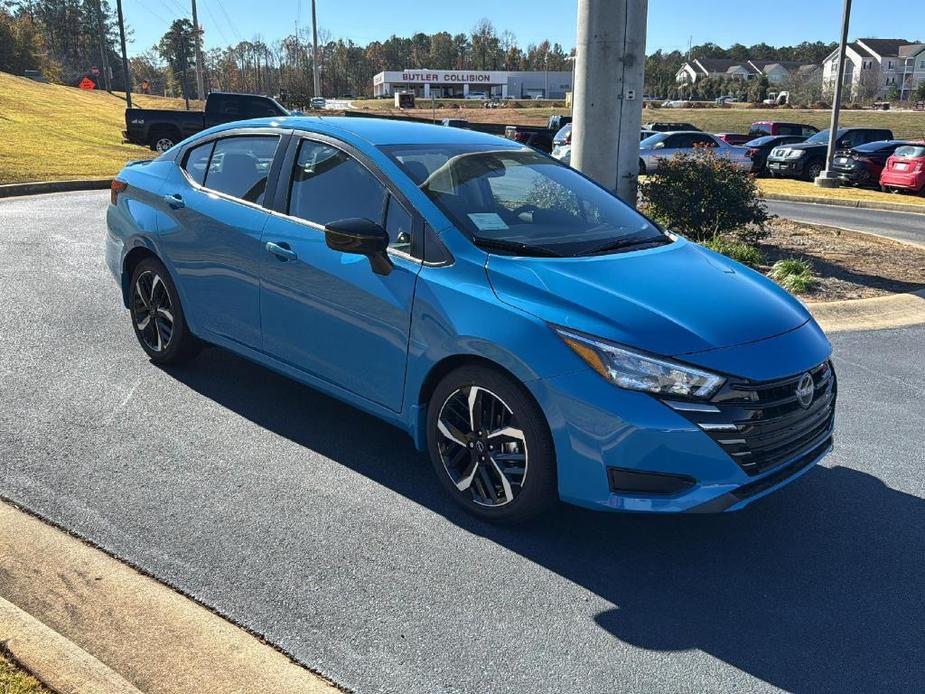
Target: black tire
[813,169]
[157,316]
[163,139]
[504,405]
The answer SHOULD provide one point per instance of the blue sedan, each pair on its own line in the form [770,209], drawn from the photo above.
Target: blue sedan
[540,339]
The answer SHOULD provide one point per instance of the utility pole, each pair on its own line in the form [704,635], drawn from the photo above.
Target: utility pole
[200,92]
[827,179]
[125,72]
[607,106]
[316,69]
[104,60]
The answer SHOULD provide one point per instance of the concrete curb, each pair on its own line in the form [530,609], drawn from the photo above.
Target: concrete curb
[878,313]
[837,202]
[152,636]
[52,659]
[9,190]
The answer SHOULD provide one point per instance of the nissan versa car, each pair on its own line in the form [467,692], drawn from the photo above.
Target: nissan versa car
[540,339]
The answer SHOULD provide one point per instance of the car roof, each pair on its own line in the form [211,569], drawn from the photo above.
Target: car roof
[379,131]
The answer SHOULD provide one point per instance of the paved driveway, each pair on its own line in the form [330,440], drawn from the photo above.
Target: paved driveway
[322,529]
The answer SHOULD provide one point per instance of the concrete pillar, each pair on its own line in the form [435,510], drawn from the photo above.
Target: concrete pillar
[504,90]
[427,90]
[607,107]
[466,90]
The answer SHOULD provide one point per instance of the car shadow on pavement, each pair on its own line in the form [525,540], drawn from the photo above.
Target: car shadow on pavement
[815,588]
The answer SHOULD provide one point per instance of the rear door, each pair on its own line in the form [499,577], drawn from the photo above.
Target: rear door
[328,313]
[210,226]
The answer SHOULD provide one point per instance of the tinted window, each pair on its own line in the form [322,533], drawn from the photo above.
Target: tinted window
[240,165]
[328,185]
[197,161]
[785,129]
[255,107]
[702,140]
[650,141]
[760,129]
[910,151]
[398,224]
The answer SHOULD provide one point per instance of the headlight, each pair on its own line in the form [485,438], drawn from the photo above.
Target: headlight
[794,153]
[633,370]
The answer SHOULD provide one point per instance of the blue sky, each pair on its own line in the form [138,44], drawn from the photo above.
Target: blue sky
[671,22]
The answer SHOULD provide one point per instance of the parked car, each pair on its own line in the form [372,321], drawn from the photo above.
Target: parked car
[905,169]
[734,139]
[455,123]
[676,103]
[537,136]
[807,159]
[758,149]
[535,348]
[772,127]
[721,100]
[558,121]
[162,129]
[670,127]
[862,165]
[562,143]
[662,146]
[318,102]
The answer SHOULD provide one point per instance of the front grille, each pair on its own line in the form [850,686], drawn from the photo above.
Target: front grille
[762,424]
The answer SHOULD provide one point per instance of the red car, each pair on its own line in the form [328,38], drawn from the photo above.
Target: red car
[905,170]
[735,139]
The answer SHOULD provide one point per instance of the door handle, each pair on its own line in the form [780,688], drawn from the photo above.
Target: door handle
[174,201]
[281,251]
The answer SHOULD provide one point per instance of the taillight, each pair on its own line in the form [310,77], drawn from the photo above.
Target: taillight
[116,188]
[751,152]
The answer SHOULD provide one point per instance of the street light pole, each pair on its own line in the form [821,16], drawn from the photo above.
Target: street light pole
[126,78]
[609,66]
[316,69]
[827,179]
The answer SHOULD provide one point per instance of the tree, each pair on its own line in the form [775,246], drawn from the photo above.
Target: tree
[177,47]
[920,91]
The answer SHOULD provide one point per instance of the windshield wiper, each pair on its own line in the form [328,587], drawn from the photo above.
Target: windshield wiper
[623,244]
[514,247]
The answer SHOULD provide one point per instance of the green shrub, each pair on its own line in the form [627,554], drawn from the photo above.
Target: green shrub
[737,250]
[702,196]
[794,274]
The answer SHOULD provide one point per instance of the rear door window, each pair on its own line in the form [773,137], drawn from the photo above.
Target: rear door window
[240,165]
[197,161]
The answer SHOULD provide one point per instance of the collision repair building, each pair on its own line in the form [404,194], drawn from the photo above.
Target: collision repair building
[462,84]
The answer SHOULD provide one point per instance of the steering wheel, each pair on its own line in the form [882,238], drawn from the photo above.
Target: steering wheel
[524,208]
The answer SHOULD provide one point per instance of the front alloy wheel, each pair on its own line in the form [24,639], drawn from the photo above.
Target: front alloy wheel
[482,449]
[490,444]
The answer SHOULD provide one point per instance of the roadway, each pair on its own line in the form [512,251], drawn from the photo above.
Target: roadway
[323,530]
[903,226]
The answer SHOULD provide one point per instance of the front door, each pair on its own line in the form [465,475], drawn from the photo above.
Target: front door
[325,312]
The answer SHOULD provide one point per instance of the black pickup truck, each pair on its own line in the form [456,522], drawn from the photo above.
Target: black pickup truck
[160,130]
[537,136]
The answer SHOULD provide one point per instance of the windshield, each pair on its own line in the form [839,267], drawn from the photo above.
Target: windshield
[522,202]
[652,140]
[761,141]
[821,137]
[563,133]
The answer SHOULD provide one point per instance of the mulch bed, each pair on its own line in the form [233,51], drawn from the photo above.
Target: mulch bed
[849,265]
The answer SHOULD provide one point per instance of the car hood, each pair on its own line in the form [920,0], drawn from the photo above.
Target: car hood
[804,145]
[672,300]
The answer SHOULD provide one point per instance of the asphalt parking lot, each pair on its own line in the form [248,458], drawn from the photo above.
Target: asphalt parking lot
[322,529]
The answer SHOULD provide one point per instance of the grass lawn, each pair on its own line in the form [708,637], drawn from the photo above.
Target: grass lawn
[49,132]
[787,186]
[14,680]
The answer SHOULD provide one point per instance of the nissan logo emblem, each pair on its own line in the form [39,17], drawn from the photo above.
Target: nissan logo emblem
[805,390]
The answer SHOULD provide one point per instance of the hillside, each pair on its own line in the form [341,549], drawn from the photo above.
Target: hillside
[49,132]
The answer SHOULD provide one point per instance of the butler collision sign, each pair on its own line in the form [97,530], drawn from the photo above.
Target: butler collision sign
[457,83]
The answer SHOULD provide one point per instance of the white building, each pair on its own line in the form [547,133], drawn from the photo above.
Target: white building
[874,66]
[776,71]
[448,84]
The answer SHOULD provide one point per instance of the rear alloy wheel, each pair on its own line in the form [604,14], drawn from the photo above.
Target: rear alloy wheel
[490,445]
[157,316]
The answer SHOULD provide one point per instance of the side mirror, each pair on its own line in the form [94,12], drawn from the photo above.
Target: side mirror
[360,237]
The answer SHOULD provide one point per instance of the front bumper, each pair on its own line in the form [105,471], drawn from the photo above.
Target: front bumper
[788,167]
[599,428]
